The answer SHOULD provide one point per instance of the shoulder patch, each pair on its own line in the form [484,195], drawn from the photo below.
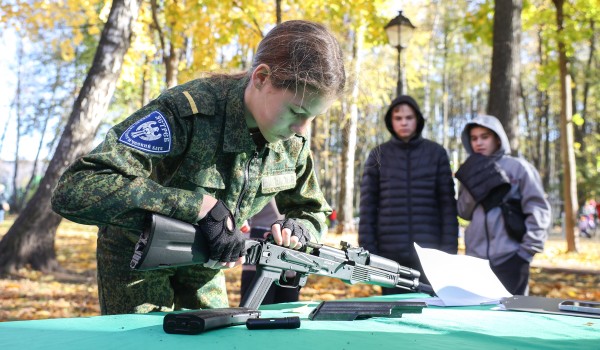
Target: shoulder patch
[150,134]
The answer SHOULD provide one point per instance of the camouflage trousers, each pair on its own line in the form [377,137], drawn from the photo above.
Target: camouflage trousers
[122,290]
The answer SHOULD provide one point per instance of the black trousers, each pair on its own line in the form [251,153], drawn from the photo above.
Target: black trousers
[514,275]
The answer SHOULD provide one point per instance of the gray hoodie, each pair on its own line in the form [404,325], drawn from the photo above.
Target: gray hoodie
[486,237]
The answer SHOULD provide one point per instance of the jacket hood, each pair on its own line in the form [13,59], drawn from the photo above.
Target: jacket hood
[490,122]
[404,99]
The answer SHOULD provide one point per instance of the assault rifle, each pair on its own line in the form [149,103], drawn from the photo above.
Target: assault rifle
[167,242]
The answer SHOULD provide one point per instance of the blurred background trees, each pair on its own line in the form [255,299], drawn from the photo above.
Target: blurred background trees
[457,64]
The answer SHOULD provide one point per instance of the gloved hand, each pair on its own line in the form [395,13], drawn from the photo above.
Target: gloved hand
[297,230]
[226,242]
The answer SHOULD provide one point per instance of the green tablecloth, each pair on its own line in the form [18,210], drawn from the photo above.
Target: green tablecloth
[436,328]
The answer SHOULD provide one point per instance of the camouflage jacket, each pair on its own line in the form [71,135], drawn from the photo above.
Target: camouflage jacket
[190,141]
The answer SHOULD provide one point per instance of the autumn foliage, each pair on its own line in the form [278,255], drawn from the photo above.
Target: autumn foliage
[33,295]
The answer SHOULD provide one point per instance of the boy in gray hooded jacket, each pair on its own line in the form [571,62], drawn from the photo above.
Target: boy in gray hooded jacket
[486,236]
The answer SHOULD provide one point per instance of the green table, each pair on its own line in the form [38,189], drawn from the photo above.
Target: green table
[436,328]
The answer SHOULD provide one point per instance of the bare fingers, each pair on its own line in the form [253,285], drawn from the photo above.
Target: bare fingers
[283,237]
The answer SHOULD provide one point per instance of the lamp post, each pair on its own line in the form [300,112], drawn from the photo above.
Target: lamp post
[399,31]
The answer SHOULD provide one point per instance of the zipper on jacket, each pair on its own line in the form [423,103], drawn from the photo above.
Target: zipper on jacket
[487,235]
[409,200]
[245,184]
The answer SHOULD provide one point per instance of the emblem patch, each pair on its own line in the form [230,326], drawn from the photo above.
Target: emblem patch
[150,134]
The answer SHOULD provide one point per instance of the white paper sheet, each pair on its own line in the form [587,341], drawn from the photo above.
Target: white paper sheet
[460,280]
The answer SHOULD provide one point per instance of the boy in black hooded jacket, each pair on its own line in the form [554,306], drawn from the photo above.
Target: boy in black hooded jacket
[407,192]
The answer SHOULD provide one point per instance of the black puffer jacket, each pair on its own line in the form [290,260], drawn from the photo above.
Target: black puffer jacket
[407,195]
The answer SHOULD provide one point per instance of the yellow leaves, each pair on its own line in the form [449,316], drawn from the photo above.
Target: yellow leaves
[131,70]
[550,275]
[77,38]
[36,295]
[12,287]
[93,30]
[572,293]
[578,119]
[236,13]
[32,294]
[105,11]
[67,18]
[42,314]
[334,7]
[555,255]
[41,20]
[26,299]
[67,52]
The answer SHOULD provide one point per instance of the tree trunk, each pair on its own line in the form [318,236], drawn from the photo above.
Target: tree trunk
[278,11]
[346,202]
[578,133]
[326,161]
[445,89]
[427,87]
[4,130]
[49,112]
[588,68]
[546,170]
[171,60]
[542,113]
[503,100]
[146,76]
[588,157]
[530,150]
[31,238]
[171,66]
[537,114]
[566,135]
[15,198]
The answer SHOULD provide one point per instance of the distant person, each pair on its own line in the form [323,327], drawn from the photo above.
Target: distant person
[407,193]
[587,219]
[490,179]
[333,219]
[260,224]
[4,207]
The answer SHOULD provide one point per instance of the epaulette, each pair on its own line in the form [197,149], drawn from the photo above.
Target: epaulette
[192,98]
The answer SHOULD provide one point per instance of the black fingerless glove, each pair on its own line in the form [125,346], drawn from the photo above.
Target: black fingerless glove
[297,229]
[225,244]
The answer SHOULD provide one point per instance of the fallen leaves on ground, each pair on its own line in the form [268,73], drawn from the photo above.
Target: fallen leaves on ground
[26,298]
[30,295]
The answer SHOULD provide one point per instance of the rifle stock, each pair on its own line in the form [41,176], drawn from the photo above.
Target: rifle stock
[167,242]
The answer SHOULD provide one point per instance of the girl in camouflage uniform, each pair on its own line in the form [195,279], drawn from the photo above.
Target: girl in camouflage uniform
[212,151]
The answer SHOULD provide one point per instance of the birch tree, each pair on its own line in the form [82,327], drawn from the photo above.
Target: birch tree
[30,241]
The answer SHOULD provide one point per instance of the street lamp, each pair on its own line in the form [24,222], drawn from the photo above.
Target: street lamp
[399,31]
